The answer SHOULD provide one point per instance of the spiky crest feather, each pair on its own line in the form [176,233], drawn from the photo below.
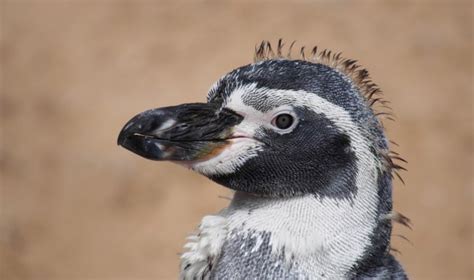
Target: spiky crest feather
[359,75]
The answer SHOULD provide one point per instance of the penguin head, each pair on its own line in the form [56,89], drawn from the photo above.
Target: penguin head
[277,127]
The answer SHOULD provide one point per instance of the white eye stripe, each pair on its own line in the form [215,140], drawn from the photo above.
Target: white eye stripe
[255,119]
[288,99]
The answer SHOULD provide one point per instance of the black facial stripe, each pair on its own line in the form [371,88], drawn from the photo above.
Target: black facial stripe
[315,157]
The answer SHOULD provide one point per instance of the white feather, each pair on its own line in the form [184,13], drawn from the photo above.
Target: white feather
[203,248]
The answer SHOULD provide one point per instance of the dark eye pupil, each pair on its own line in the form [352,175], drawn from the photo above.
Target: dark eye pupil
[284,121]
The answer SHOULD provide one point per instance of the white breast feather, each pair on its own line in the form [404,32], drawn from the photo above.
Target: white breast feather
[203,248]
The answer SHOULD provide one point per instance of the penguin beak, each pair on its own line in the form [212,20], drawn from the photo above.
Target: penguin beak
[188,132]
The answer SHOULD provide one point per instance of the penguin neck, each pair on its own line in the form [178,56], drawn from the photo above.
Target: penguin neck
[325,235]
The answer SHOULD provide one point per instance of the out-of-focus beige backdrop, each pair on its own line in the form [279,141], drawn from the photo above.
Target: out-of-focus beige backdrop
[76,206]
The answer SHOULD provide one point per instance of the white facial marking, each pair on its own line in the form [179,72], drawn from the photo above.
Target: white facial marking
[255,119]
[231,158]
[203,248]
[252,118]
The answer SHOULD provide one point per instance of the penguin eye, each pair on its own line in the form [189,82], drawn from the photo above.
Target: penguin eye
[283,121]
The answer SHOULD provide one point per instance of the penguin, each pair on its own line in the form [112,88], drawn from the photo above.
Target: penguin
[301,143]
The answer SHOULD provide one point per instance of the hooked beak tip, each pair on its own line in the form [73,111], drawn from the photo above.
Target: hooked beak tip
[124,134]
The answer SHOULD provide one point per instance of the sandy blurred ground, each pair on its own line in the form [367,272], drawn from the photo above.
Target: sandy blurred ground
[76,206]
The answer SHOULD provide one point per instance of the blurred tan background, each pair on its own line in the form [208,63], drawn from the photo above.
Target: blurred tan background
[76,206]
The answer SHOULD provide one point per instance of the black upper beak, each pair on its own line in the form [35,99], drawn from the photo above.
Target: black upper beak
[181,133]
